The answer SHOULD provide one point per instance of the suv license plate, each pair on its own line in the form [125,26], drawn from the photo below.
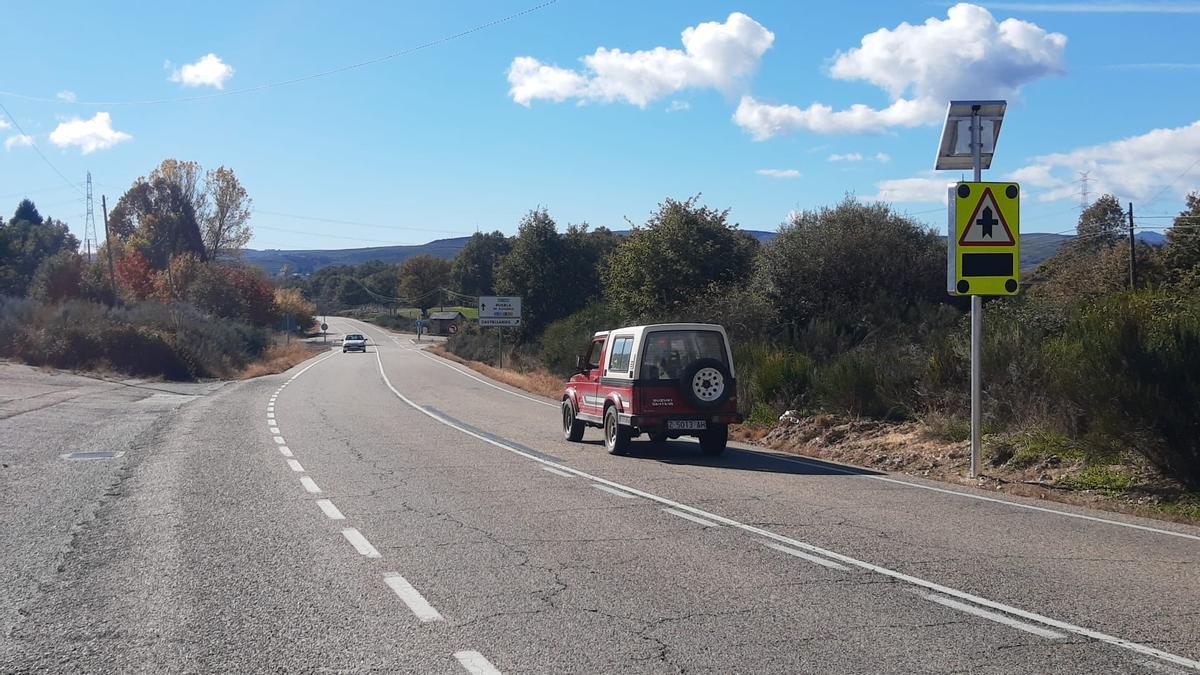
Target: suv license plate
[687,425]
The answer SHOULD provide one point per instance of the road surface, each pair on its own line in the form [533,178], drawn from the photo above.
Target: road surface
[394,512]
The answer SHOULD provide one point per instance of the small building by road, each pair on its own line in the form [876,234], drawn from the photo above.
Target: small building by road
[445,323]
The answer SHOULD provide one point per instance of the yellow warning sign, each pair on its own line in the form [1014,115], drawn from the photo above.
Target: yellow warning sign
[984,239]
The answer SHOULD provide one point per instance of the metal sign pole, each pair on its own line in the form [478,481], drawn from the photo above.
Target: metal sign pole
[976,314]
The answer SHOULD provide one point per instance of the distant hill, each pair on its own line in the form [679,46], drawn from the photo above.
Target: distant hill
[1035,248]
[309,261]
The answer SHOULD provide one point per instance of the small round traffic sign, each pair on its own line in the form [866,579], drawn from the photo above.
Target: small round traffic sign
[324,326]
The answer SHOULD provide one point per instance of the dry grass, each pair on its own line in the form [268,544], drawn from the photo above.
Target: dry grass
[541,382]
[279,357]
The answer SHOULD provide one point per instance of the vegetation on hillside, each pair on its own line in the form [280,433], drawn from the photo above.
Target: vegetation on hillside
[166,296]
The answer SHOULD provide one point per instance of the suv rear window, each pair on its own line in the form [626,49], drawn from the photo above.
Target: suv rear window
[668,352]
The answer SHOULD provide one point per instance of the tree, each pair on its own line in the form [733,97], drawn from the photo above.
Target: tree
[858,266]
[225,224]
[156,216]
[135,275]
[1093,262]
[26,241]
[1181,255]
[683,251]
[421,279]
[57,277]
[474,268]
[536,269]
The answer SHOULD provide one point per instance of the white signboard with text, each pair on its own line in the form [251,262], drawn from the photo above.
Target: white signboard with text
[499,311]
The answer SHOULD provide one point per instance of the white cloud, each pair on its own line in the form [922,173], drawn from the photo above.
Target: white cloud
[1101,7]
[1135,168]
[927,188]
[4,124]
[969,54]
[714,55]
[677,106]
[881,157]
[209,71]
[88,135]
[779,173]
[66,95]
[18,141]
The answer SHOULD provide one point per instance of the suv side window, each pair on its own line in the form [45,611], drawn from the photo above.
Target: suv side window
[620,355]
[595,354]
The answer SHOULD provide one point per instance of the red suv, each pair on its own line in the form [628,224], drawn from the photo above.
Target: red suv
[666,380]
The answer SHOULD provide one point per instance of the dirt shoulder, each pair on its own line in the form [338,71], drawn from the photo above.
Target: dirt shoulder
[1011,465]
[280,357]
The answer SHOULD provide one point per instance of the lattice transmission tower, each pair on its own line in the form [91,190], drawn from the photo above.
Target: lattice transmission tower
[1084,195]
[90,243]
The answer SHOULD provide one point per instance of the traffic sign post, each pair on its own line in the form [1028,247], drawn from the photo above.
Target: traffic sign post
[499,312]
[982,237]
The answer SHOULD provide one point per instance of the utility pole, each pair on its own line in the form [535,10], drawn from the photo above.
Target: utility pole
[1132,252]
[112,275]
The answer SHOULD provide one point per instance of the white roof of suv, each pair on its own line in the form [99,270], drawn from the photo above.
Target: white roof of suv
[639,332]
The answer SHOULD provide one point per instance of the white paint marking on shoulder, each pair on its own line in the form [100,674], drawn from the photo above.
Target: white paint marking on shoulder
[695,519]
[411,597]
[295,466]
[475,663]
[612,491]
[811,548]
[279,440]
[992,616]
[285,451]
[309,484]
[982,498]
[556,472]
[274,430]
[806,556]
[330,510]
[360,543]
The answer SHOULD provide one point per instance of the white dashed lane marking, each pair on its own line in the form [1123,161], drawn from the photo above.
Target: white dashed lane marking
[695,519]
[330,510]
[285,451]
[806,556]
[475,663]
[275,430]
[360,543]
[409,595]
[992,616]
[612,491]
[556,472]
[309,484]
[279,440]
[295,466]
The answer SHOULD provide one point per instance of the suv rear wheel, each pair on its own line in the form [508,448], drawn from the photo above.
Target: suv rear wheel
[572,427]
[713,441]
[616,437]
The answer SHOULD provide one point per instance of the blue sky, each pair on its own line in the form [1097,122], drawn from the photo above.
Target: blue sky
[755,112]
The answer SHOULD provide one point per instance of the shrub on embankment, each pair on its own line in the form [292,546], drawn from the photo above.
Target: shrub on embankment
[150,339]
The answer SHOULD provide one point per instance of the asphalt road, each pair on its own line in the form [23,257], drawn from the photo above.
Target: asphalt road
[393,512]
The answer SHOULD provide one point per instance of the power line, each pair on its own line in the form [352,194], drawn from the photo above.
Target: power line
[305,78]
[356,223]
[34,145]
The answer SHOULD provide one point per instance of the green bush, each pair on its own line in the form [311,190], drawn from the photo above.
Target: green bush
[567,338]
[870,382]
[771,378]
[474,344]
[1129,365]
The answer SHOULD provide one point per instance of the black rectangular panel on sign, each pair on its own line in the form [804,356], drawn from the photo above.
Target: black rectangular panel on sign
[987,264]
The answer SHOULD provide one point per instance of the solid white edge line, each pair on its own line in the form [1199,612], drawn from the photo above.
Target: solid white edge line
[801,554]
[295,466]
[992,616]
[963,595]
[556,472]
[411,597]
[360,543]
[475,663]
[285,451]
[612,491]
[695,519]
[330,510]
[886,479]
[309,484]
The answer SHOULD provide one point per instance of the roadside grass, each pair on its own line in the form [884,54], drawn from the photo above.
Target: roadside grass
[538,381]
[281,356]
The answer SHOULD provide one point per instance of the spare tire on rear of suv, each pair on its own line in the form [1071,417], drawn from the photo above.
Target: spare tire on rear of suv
[705,383]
